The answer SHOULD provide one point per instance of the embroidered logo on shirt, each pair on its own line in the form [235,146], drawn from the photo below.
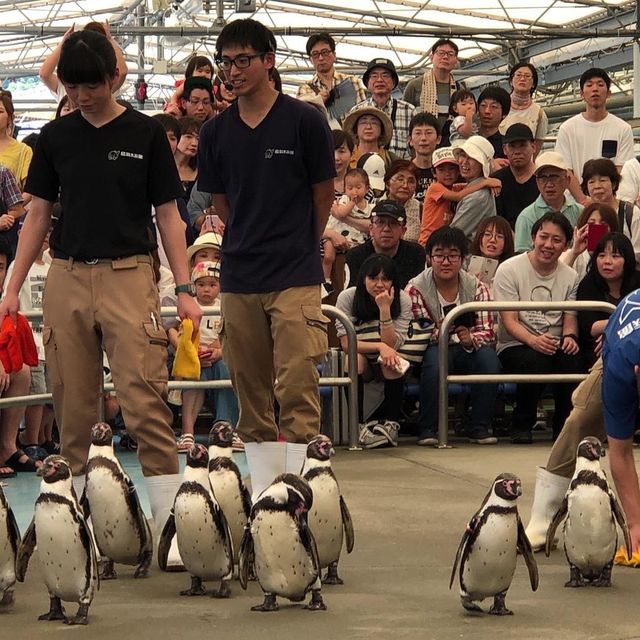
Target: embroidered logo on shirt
[269,153]
[114,155]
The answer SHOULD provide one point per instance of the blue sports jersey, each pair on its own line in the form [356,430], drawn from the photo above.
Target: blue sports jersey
[620,354]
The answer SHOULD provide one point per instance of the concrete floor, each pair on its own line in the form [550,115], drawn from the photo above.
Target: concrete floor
[410,506]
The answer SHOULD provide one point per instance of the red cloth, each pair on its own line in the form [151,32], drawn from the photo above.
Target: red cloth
[17,346]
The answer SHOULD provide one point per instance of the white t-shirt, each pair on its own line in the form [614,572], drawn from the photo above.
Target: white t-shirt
[580,140]
[210,324]
[629,189]
[516,279]
[354,235]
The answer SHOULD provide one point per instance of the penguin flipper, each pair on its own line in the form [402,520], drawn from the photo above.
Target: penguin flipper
[164,544]
[246,499]
[309,543]
[347,523]
[25,551]
[463,543]
[524,547]
[14,532]
[246,557]
[223,525]
[555,522]
[134,502]
[84,504]
[619,515]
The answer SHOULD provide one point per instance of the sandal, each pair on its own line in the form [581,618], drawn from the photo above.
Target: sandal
[51,447]
[13,461]
[185,442]
[7,472]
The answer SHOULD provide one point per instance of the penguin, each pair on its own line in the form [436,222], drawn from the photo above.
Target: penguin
[65,548]
[280,546]
[9,543]
[120,527]
[329,518]
[226,482]
[204,540]
[591,511]
[488,550]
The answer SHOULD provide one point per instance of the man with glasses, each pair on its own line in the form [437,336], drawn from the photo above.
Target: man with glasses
[197,98]
[552,178]
[388,225]
[432,92]
[268,160]
[381,78]
[437,290]
[321,49]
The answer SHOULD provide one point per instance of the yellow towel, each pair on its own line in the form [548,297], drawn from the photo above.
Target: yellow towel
[186,364]
[622,560]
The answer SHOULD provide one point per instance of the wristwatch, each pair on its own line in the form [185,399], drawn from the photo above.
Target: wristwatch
[189,288]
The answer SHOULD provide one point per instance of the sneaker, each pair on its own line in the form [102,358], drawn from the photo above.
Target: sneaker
[236,443]
[370,440]
[389,429]
[481,436]
[326,290]
[521,437]
[427,439]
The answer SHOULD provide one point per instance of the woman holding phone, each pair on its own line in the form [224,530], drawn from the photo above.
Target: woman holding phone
[611,275]
[595,220]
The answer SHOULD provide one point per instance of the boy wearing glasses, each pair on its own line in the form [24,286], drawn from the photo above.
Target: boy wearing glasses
[553,180]
[433,293]
[268,160]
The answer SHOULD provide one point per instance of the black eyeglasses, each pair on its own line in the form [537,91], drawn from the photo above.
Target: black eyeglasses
[241,62]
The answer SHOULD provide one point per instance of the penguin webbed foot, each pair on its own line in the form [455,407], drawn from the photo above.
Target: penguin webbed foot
[107,571]
[469,605]
[142,570]
[604,579]
[81,617]
[332,576]
[7,598]
[196,588]
[269,603]
[224,591]
[575,578]
[498,608]
[56,611]
[316,603]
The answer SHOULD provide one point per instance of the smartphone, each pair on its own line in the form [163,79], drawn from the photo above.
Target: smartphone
[211,222]
[609,148]
[594,233]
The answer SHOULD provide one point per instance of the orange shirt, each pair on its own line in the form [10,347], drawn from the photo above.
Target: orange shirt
[436,211]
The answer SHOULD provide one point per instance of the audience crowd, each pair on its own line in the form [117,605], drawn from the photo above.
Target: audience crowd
[441,198]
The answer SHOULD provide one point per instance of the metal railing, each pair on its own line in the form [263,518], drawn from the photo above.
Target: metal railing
[443,354]
[350,381]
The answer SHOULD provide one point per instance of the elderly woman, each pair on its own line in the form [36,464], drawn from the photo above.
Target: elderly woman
[372,130]
[401,180]
[523,79]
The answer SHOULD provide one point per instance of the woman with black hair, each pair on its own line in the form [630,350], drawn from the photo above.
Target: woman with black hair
[381,312]
[611,275]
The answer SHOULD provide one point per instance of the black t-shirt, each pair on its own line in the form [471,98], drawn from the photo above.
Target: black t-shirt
[496,142]
[271,240]
[514,197]
[425,180]
[108,178]
[409,259]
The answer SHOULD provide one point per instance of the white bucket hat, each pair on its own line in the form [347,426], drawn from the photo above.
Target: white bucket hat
[481,150]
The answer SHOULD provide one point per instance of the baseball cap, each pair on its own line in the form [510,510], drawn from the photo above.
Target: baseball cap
[373,164]
[518,131]
[383,63]
[208,240]
[443,155]
[551,159]
[390,208]
[480,149]
[205,270]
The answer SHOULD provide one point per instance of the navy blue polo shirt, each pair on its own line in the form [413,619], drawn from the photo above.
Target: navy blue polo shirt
[271,240]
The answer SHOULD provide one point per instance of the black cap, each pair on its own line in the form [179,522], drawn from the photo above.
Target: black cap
[383,63]
[197,82]
[517,132]
[391,208]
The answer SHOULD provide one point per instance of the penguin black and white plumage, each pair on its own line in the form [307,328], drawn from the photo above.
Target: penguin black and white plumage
[9,543]
[204,540]
[120,527]
[591,510]
[488,550]
[64,544]
[226,482]
[280,546]
[329,518]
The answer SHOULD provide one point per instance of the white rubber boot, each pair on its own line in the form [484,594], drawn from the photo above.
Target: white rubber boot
[296,455]
[266,461]
[162,492]
[548,494]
